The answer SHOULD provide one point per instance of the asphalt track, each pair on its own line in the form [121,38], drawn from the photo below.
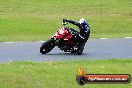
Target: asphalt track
[120,48]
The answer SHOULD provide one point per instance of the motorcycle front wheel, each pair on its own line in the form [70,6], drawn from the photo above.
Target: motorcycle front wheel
[47,46]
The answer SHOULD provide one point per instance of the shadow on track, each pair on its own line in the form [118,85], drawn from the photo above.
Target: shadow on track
[68,54]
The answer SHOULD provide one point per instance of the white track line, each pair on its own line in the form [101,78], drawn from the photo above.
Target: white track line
[103,38]
[8,42]
[40,41]
[127,37]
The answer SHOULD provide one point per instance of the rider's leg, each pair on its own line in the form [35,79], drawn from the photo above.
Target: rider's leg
[82,43]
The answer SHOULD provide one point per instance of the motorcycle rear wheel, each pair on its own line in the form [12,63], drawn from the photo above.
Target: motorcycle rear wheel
[47,46]
[81,48]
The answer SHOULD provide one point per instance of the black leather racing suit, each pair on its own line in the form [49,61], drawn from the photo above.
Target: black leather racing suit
[84,30]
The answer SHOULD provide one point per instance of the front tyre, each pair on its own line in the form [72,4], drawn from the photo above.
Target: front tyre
[47,46]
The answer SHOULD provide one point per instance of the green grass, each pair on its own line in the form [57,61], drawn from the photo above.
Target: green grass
[31,20]
[60,74]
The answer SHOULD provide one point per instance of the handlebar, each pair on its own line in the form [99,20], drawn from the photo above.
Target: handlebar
[68,29]
[72,31]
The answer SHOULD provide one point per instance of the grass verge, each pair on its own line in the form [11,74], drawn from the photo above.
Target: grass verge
[59,74]
[24,20]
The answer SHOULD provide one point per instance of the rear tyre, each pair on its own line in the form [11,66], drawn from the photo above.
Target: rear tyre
[81,48]
[73,52]
[47,46]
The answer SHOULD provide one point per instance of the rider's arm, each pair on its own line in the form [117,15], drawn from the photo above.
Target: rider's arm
[72,22]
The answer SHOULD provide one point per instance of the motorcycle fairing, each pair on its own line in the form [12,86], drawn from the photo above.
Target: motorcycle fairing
[62,34]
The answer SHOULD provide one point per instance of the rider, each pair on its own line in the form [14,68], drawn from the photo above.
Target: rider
[84,33]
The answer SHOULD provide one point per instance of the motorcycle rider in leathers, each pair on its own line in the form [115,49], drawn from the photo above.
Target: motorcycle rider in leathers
[84,33]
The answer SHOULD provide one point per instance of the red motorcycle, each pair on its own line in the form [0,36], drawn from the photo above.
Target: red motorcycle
[65,39]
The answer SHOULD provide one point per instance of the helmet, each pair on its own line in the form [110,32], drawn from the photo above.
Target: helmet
[82,21]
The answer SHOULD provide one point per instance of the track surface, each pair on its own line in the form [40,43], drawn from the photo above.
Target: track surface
[94,49]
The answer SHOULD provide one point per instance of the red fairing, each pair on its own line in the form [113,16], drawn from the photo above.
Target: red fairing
[68,37]
[61,33]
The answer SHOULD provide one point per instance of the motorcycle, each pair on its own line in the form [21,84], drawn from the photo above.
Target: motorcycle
[65,39]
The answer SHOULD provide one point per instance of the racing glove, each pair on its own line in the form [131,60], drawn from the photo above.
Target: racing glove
[64,21]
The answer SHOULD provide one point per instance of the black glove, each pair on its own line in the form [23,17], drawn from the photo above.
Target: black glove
[64,21]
